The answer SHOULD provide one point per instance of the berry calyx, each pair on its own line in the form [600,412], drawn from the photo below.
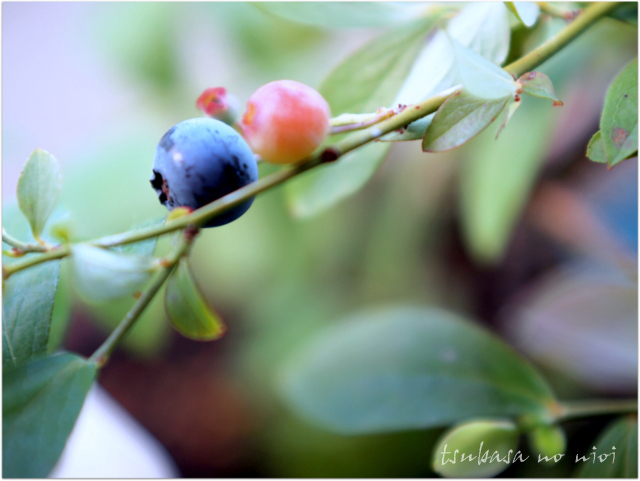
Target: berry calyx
[285,121]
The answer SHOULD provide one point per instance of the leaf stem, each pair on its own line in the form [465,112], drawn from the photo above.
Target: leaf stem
[23,247]
[102,354]
[410,114]
[577,409]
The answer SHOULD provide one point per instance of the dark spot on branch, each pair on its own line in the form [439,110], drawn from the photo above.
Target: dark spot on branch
[329,155]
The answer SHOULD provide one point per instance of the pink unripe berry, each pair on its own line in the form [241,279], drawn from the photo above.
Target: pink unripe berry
[285,121]
[219,104]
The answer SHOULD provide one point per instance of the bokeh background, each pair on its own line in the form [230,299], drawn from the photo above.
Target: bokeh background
[552,270]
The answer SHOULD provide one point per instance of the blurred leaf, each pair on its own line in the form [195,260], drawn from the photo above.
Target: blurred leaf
[460,118]
[61,313]
[595,149]
[582,322]
[408,368]
[480,77]
[626,12]
[483,27]
[547,441]
[619,121]
[621,434]
[495,181]
[468,450]
[526,12]
[38,189]
[27,303]
[344,14]
[186,308]
[538,85]
[41,401]
[364,82]
[101,275]
[145,247]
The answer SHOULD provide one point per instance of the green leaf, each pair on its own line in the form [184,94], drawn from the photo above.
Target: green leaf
[626,12]
[38,189]
[526,12]
[480,77]
[41,401]
[460,118]
[343,14]
[619,120]
[413,131]
[496,178]
[511,108]
[188,311]
[364,82]
[409,368]
[547,441]
[483,27]
[538,85]
[27,304]
[477,443]
[595,149]
[621,434]
[101,275]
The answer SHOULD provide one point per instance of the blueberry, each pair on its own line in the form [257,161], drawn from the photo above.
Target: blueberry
[200,160]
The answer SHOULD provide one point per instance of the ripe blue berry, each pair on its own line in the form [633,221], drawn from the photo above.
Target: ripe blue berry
[200,160]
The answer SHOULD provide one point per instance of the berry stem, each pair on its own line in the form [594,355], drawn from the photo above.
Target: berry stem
[164,269]
[577,409]
[410,114]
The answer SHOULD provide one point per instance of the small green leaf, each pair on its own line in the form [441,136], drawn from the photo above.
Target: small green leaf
[409,368]
[343,14]
[41,401]
[508,113]
[101,275]
[526,12]
[460,118]
[619,120]
[595,149]
[188,311]
[485,448]
[481,77]
[27,304]
[599,462]
[538,85]
[548,442]
[364,82]
[38,189]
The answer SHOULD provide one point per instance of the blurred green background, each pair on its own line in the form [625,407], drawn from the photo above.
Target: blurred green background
[541,257]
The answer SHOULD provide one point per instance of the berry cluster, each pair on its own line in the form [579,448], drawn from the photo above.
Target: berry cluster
[200,160]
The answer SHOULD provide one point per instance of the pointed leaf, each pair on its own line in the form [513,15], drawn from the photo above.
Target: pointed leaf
[344,14]
[413,131]
[619,120]
[623,435]
[364,82]
[595,149]
[101,275]
[486,435]
[461,117]
[409,368]
[538,85]
[480,77]
[509,111]
[41,401]
[526,12]
[188,311]
[38,189]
